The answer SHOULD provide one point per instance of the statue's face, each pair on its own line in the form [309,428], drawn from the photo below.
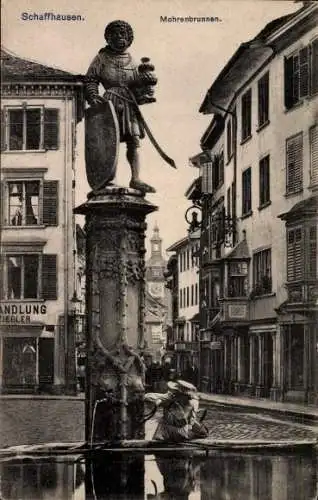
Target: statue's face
[119,40]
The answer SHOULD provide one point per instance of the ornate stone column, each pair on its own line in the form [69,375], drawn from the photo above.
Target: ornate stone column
[115,291]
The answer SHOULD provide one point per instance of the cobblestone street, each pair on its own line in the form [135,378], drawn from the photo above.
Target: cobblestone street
[233,425]
[224,424]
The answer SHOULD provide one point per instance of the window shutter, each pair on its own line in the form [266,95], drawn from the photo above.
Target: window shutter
[50,203]
[314,155]
[294,164]
[312,264]
[3,131]
[49,277]
[2,276]
[314,66]
[288,73]
[51,128]
[304,72]
[294,255]
[222,168]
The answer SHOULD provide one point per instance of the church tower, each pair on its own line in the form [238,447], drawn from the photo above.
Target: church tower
[155,267]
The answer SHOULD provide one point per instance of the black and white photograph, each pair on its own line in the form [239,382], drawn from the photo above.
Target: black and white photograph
[158,250]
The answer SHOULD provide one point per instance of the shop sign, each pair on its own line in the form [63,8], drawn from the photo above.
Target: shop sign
[12,313]
[216,345]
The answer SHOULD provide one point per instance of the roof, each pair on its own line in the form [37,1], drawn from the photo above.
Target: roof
[303,207]
[14,68]
[240,251]
[178,244]
[194,190]
[245,57]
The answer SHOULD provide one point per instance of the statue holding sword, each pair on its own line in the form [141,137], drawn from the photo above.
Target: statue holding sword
[116,116]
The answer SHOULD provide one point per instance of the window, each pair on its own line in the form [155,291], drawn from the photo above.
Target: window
[294,164]
[187,301]
[262,272]
[31,202]
[229,140]
[246,115]
[264,181]
[196,295]
[301,74]
[238,279]
[24,203]
[302,253]
[30,128]
[313,139]
[181,303]
[294,254]
[230,135]
[228,202]
[30,276]
[192,295]
[263,100]
[207,178]
[247,191]
[312,249]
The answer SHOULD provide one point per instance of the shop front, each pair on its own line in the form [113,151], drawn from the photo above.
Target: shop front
[27,347]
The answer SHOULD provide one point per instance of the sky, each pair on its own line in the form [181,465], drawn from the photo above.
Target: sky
[187,57]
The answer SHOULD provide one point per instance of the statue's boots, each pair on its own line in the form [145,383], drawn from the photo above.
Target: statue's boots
[141,186]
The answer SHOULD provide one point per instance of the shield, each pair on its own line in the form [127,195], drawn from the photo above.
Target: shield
[101,144]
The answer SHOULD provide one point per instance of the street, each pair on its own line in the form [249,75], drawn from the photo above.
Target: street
[33,421]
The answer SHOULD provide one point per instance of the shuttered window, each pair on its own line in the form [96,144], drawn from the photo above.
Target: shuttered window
[246,191]
[301,74]
[294,164]
[229,140]
[312,249]
[295,261]
[29,276]
[3,131]
[264,181]
[51,128]
[314,66]
[313,137]
[263,100]
[49,277]
[246,122]
[29,128]
[29,203]
[50,203]
[207,178]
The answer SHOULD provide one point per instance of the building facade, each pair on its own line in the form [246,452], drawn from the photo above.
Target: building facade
[259,227]
[40,107]
[185,282]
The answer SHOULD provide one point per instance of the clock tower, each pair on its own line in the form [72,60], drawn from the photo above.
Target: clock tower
[155,267]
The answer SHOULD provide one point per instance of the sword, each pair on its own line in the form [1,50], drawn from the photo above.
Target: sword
[153,141]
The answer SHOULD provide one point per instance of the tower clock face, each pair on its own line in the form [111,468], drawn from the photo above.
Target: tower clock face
[156,289]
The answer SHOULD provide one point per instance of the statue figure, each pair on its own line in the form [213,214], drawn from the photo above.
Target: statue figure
[116,117]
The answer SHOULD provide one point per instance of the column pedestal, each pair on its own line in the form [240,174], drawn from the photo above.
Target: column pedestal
[115,306]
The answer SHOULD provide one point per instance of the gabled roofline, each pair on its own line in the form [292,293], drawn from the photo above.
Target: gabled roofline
[178,244]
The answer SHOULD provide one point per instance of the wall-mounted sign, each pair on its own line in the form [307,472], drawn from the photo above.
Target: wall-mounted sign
[21,313]
[237,311]
[215,345]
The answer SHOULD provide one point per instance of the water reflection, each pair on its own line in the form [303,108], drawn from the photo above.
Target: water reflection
[166,476]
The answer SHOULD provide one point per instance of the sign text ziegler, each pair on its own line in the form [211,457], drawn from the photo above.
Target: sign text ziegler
[20,313]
